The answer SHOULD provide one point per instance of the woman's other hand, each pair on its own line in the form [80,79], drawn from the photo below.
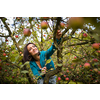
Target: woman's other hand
[59,34]
[43,70]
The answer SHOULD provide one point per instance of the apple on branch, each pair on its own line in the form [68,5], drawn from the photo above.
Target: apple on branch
[44,25]
[26,32]
[95,46]
[86,65]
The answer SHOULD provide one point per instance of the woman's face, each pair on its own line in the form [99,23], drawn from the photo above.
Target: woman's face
[32,49]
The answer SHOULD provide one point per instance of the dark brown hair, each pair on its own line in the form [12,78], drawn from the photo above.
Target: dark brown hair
[26,56]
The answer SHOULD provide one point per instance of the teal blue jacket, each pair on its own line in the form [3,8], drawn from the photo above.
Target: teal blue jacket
[44,55]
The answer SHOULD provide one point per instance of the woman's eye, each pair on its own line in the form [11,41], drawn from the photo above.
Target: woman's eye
[29,49]
[33,46]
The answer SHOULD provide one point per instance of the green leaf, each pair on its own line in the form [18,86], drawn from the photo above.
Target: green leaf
[76,60]
[20,42]
[59,65]
[25,71]
[26,63]
[48,61]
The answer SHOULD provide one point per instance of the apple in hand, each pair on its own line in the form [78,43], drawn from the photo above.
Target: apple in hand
[62,25]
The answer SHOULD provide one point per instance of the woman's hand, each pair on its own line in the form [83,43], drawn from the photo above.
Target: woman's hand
[59,34]
[43,70]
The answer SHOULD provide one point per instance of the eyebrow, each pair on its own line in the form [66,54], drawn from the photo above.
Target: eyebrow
[31,46]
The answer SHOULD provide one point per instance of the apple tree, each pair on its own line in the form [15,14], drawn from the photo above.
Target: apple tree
[77,56]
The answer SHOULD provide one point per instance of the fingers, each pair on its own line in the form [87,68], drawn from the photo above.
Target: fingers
[59,34]
[44,70]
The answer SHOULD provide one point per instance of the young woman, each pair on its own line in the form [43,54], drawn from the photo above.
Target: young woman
[38,60]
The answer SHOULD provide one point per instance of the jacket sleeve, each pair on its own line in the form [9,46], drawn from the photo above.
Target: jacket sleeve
[52,49]
[35,71]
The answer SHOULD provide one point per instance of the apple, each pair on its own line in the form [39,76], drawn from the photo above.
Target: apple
[95,60]
[59,78]
[67,71]
[20,52]
[86,65]
[98,72]
[84,35]
[7,64]
[75,57]
[80,65]
[12,76]
[62,25]
[64,75]
[26,32]
[44,35]
[95,46]
[4,54]
[76,22]
[16,36]
[95,70]
[5,70]
[6,39]
[98,51]
[44,25]
[49,37]
[66,78]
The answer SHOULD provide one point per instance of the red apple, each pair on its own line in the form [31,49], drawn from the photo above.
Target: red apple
[44,35]
[66,78]
[95,60]
[12,76]
[4,54]
[5,70]
[49,37]
[80,65]
[75,57]
[16,36]
[95,46]
[62,25]
[64,75]
[86,65]
[98,51]
[7,64]
[67,71]
[44,25]
[6,39]
[26,32]
[84,35]
[59,78]
[98,72]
